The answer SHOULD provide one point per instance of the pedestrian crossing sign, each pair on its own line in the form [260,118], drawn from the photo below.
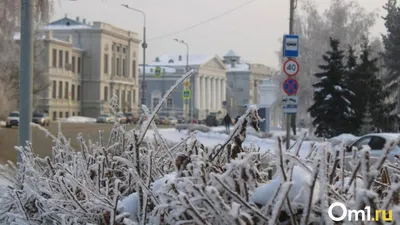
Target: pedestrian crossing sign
[158,72]
[186,94]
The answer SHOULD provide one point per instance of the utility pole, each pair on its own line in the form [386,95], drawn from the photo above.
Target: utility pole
[144,46]
[26,74]
[191,102]
[291,31]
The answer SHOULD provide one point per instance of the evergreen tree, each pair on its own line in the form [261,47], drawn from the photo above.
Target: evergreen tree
[371,90]
[353,83]
[391,56]
[331,110]
[367,122]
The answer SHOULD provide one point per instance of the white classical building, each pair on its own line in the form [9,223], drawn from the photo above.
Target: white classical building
[209,81]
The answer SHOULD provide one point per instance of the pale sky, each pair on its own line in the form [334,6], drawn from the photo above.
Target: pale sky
[253,31]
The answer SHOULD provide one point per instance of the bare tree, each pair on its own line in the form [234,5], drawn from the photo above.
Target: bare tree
[10,51]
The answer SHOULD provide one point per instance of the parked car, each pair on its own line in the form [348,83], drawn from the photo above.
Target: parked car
[12,119]
[163,120]
[130,118]
[172,120]
[41,118]
[377,143]
[121,119]
[105,118]
[181,119]
[211,121]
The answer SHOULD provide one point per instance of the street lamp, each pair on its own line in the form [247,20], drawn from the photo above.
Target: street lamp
[191,79]
[144,46]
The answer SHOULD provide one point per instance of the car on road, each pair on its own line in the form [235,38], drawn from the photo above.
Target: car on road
[105,118]
[12,119]
[376,142]
[163,120]
[172,120]
[41,118]
[130,118]
[121,119]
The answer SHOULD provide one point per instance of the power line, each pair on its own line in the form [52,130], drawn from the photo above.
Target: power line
[203,22]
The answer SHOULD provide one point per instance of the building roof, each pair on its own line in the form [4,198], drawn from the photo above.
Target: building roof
[231,53]
[179,59]
[238,67]
[66,24]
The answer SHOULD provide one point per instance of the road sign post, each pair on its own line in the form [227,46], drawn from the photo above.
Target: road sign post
[290,104]
[291,46]
[291,67]
[158,72]
[186,94]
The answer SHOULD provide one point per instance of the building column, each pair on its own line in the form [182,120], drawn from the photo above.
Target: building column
[202,92]
[197,91]
[208,93]
[212,99]
[223,87]
[218,94]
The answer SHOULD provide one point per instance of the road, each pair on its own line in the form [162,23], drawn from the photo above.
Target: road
[42,145]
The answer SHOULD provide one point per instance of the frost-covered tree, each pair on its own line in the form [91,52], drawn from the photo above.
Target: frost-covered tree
[367,125]
[345,20]
[332,109]
[10,51]
[391,55]
[372,92]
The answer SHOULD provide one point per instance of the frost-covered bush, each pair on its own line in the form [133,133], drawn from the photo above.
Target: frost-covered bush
[129,179]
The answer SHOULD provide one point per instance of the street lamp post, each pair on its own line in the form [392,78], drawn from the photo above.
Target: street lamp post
[191,102]
[144,46]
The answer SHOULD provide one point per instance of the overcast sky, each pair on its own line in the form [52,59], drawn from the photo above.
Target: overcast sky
[253,31]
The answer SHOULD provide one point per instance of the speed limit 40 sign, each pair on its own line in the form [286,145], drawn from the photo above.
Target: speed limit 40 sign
[291,67]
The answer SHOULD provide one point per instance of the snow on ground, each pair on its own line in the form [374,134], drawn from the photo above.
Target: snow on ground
[78,119]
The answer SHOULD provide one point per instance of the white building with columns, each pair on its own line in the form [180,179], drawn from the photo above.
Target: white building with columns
[209,81]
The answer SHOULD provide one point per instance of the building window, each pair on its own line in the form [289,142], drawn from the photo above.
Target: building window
[118,67]
[113,65]
[66,114]
[54,115]
[123,50]
[105,93]
[124,67]
[134,68]
[105,63]
[73,92]
[118,48]
[54,89]
[73,64]
[134,96]
[155,102]
[54,58]
[129,101]
[66,57]
[73,113]
[61,115]
[60,89]
[60,60]
[66,89]
[78,93]
[123,100]
[79,65]
[169,103]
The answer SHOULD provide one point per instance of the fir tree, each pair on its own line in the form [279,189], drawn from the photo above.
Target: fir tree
[331,109]
[370,90]
[367,122]
[353,83]
[391,56]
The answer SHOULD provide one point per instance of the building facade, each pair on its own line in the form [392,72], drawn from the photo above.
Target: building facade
[243,80]
[209,82]
[87,64]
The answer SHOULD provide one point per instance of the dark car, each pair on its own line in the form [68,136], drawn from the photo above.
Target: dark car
[130,118]
[211,121]
[41,118]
